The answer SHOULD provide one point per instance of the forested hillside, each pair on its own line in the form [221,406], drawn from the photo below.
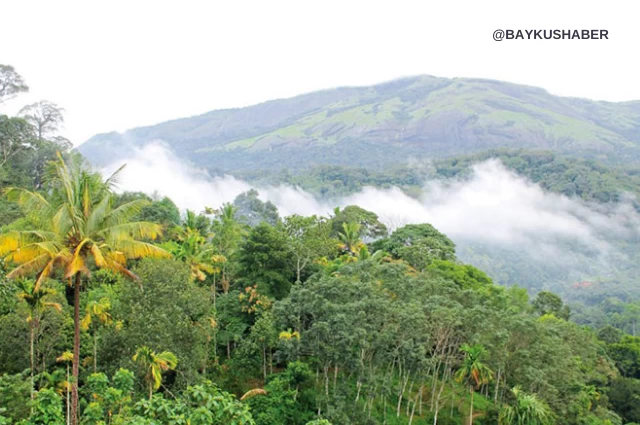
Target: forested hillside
[418,117]
[118,308]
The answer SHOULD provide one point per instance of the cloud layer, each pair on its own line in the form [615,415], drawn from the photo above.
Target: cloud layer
[494,206]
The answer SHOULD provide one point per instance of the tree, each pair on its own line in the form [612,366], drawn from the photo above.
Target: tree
[264,258]
[473,371]
[37,302]
[350,237]
[73,230]
[625,396]
[192,246]
[227,234]
[419,245]
[46,117]
[153,364]
[16,137]
[66,358]
[526,409]
[549,303]
[631,316]
[370,226]
[626,354]
[164,212]
[96,313]
[253,211]
[11,83]
[307,240]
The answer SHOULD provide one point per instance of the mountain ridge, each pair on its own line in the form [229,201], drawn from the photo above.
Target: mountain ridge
[420,116]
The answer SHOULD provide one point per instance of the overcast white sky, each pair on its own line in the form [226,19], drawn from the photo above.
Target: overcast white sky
[122,64]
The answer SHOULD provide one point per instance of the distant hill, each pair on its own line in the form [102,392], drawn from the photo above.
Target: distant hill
[390,123]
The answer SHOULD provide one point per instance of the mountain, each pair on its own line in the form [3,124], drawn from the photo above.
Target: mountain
[389,123]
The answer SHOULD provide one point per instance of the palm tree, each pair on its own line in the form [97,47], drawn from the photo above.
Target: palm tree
[73,230]
[36,300]
[527,409]
[100,311]
[154,364]
[473,371]
[350,237]
[193,249]
[228,232]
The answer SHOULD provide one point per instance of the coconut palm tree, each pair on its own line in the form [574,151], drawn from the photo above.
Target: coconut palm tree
[527,409]
[473,371]
[192,248]
[154,364]
[36,300]
[74,229]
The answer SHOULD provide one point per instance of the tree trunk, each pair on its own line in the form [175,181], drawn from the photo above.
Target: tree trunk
[32,338]
[415,403]
[206,355]
[213,291]
[495,396]
[68,400]
[95,352]
[471,407]
[401,394]
[264,363]
[76,349]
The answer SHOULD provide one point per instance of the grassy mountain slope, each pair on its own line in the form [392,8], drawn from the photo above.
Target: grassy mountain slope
[388,123]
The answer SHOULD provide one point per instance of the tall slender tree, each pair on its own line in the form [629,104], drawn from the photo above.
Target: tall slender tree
[74,229]
[37,302]
[473,371]
[97,313]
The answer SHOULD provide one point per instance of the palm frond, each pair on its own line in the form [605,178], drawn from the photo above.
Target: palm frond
[136,230]
[114,179]
[137,249]
[97,256]
[30,267]
[44,274]
[28,201]
[124,213]
[252,393]
[98,214]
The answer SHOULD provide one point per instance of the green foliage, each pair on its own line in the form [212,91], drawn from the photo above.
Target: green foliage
[464,275]
[200,404]
[624,395]
[526,409]
[549,303]
[14,395]
[264,261]
[47,409]
[160,314]
[369,225]
[418,244]
[163,211]
[626,354]
[310,333]
[289,397]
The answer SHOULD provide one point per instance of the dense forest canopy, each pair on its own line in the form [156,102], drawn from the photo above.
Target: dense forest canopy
[119,308]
